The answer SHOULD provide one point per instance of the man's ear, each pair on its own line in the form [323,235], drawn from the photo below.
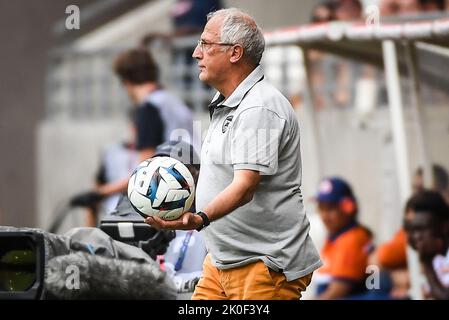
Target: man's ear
[236,53]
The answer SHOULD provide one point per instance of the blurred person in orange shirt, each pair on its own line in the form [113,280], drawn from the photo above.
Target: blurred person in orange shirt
[391,258]
[345,253]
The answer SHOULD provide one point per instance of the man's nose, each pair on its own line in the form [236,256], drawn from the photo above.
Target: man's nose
[196,53]
[417,236]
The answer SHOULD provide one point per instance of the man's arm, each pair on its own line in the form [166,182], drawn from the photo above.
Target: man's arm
[122,184]
[438,291]
[238,193]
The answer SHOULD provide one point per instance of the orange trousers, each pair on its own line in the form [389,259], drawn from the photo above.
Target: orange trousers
[254,281]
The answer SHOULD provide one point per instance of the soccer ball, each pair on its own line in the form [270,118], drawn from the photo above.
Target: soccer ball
[162,187]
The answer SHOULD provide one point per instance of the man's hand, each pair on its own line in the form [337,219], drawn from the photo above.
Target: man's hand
[188,221]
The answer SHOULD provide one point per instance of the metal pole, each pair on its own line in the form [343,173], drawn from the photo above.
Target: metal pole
[401,153]
[418,112]
[310,111]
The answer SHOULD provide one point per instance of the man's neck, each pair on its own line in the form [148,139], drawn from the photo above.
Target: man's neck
[234,80]
[142,91]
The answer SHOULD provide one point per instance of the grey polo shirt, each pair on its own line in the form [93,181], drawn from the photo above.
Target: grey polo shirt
[256,129]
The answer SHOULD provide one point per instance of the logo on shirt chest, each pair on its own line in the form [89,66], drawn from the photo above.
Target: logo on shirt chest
[226,123]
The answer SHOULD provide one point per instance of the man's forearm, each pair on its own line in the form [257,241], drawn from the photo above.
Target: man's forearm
[237,194]
[113,187]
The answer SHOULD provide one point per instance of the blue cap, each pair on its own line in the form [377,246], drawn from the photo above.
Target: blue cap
[334,190]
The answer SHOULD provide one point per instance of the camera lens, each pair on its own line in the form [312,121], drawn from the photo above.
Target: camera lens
[17,265]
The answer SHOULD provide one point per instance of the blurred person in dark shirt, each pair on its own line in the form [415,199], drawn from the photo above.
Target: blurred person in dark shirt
[426,224]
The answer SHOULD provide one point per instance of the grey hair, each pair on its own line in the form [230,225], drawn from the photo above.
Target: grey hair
[240,28]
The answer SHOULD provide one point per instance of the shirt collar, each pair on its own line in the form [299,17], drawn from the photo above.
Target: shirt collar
[216,101]
[239,93]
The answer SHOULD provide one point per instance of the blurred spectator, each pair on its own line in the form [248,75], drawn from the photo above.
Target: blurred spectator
[348,10]
[323,12]
[190,16]
[427,226]
[389,7]
[391,256]
[407,7]
[432,5]
[345,253]
[398,7]
[157,117]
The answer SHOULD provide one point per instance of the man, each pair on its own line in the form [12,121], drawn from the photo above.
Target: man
[345,253]
[249,184]
[426,223]
[157,117]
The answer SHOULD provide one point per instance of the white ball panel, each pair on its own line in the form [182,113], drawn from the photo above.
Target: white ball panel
[131,182]
[185,173]
[160,193]
[143,179]
[175,195]
[189,202]
[142,203]
[169,179]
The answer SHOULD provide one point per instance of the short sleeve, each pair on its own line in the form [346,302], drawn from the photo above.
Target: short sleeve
[149,127]
[255,139]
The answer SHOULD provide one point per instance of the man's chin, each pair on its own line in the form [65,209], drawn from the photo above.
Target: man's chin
[426,254]
[202,76]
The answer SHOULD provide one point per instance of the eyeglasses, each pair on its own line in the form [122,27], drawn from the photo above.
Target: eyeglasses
[201,44]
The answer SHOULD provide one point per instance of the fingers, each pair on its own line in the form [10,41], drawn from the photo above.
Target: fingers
[182,223]
[155,222]
[185,219]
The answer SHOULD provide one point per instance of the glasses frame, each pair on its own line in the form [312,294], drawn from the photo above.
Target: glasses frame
[201,43]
